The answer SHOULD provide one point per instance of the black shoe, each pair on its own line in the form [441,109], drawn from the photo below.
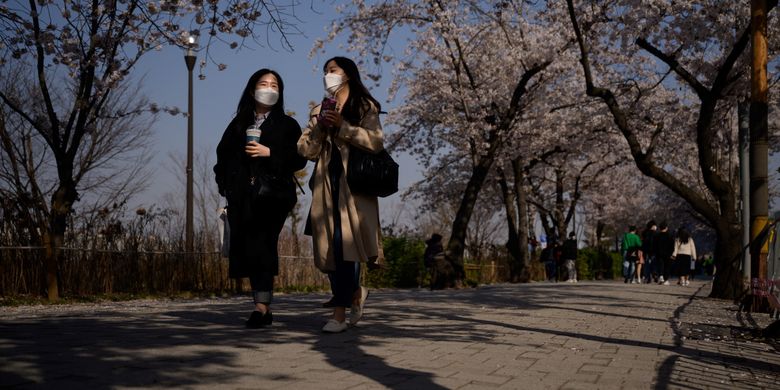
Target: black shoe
[259,320]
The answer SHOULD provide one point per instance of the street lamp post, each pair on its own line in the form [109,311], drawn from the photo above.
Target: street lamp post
[189,59]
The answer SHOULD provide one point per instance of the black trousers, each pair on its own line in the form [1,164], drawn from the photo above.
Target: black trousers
[262,287]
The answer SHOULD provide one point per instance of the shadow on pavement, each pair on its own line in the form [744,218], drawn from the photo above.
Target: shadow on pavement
[159,347]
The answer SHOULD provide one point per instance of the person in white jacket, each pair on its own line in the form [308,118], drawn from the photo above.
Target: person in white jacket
[684,255]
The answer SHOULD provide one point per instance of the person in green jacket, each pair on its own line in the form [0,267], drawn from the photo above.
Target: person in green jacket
[632,251]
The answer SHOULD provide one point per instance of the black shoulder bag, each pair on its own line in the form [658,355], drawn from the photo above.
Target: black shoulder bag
[268,186]
[372,174]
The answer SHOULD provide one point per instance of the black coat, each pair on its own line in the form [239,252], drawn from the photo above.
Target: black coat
[569,250]
[648,242]
[255,223]
[663,245]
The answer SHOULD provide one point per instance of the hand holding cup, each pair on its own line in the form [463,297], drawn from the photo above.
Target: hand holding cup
[253,134]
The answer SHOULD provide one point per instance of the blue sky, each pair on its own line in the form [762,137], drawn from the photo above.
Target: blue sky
[165,83]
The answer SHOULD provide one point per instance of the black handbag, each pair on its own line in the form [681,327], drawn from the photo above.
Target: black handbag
[372,174]
[267,186]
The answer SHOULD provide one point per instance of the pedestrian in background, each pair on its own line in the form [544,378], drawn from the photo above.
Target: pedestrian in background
[650,272]
[548,258]
[345,225]
[631,247]
[258,152]
[433,250]
[684,255]
[569,255]
[664,249]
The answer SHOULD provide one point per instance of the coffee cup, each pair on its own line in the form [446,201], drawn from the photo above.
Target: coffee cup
[252,134]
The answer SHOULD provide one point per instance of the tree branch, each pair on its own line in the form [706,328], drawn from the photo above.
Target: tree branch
[645,165]
[53,137]
[674,65]
[521,88]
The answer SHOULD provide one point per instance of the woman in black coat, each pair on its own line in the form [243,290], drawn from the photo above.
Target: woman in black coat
[256,177]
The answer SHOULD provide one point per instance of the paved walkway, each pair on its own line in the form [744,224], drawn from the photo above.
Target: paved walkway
[592,335]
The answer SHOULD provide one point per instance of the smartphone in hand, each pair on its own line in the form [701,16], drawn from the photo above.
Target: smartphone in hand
[328,104]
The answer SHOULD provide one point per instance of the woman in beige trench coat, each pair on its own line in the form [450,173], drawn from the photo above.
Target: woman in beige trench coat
[345,226]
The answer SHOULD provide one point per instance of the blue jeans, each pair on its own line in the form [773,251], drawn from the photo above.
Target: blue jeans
[629,267]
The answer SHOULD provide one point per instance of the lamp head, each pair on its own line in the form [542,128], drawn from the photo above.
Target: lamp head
[191,44]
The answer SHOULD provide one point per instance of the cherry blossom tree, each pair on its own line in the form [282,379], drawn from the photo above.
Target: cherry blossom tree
[76,54]
[671,74]
[470,72]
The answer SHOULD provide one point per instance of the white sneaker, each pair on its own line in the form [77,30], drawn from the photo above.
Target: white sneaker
[665,283]
[661,280]
[356,311]
[333,326]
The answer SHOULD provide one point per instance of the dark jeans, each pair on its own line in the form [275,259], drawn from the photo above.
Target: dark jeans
[262,287]
[649,269]
[550,267]
[665,264]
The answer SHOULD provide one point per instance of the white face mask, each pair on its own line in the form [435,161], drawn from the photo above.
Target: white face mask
[266,96]
[333,82]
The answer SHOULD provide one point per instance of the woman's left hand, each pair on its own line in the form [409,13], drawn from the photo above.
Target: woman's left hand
[254,149]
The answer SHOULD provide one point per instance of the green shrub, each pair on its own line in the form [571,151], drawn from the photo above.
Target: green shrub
[617,265]
[595,263]
[403,264]
[583,265]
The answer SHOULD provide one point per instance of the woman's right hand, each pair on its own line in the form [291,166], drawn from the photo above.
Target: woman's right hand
[254,149]
[332,119]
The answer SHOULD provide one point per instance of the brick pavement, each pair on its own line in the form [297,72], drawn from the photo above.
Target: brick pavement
[590,335]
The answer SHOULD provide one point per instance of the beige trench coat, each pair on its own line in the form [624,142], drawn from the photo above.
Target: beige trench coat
[361,233]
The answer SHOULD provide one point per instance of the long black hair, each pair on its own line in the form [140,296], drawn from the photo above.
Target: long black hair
[356,104]
[245,112]
[683,235]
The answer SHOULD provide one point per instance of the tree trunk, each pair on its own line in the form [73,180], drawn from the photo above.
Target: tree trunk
[517,244]
[50,267]
[513,243]
[559,219]
[454,253]
[456,244]
[599,232]
[522,221]
[727,283]
[61,206]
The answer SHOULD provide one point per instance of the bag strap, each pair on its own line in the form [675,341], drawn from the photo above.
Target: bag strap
[299,185]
